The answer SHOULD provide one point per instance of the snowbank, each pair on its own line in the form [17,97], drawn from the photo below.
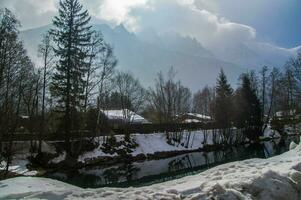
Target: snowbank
[157,142]
[276,178]
[270,133]
[19,166]
[292,130]
[152,143]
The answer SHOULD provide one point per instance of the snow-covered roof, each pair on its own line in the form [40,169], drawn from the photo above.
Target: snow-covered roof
[192,121]
[24,116]
[124,114]
[197,115]
[282,113]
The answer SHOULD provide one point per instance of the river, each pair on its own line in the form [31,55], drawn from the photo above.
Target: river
[156,171]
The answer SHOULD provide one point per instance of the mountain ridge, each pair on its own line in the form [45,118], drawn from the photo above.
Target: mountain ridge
[196,66]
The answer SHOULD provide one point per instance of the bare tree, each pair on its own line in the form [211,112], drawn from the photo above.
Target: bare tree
[169,98]
[130,90]
[46,53]
[203,101]
[106,64]
[95,49]
[15,72]
[263,73]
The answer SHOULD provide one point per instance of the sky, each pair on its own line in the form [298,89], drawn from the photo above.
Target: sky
[212,22]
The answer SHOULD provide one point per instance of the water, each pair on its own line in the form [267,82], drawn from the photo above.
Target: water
[156,171]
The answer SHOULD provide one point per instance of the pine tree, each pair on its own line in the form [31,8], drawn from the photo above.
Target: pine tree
[72,34]
[248,109]
[223,106]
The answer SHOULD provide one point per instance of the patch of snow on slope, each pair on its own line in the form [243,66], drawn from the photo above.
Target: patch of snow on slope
[152,143]
[275,178]
[59,159]
[270,133]
[18,166]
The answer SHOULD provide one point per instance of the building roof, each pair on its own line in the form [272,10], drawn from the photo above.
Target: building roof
[125,115]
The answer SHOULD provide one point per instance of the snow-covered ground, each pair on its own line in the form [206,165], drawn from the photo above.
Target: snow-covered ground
[20,158]
[156,142]
[276,178]
[292,130]
[19,166]
[270,133]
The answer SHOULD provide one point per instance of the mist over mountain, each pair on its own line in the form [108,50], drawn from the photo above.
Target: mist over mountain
[147,53]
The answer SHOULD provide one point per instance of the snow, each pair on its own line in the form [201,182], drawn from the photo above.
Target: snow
[20,158]
[59,159]
[283,113]
[96,153]
[124,114]
[200,116]
[275,178]
[157,142]
[18,166]
[191,121]
[152,143]
[270,133]
[292,129]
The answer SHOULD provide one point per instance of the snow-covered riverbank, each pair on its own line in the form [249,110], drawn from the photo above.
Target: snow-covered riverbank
[148,146]
[274,178]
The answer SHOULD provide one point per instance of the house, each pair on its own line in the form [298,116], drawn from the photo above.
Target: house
[124,116]
[194,118]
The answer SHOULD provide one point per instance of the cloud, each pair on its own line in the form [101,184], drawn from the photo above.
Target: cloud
[189,17]
[118,11]
[199,19]
[32,13]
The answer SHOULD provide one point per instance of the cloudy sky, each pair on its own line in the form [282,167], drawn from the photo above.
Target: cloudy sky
[210,21]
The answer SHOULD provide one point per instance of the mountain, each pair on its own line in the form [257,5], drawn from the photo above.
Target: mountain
[147,53]
[254,55]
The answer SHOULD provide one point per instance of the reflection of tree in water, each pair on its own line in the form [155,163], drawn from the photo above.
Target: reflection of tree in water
[97,176]
[179,164]
[125,172]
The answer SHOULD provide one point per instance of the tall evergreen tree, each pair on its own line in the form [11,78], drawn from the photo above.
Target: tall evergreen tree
[248,109]
[223,105]
[72,34]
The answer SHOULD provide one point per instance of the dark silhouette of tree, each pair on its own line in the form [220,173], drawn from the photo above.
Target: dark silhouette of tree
[72,34]
[224,106]
[248,110]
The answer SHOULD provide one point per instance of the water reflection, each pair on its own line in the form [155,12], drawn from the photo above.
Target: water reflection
[153,171]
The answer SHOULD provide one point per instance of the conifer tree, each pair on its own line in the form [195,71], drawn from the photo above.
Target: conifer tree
[248,109]
[223,106]
[72,34]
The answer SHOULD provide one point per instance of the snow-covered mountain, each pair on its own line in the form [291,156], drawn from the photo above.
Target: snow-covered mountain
[146,53]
